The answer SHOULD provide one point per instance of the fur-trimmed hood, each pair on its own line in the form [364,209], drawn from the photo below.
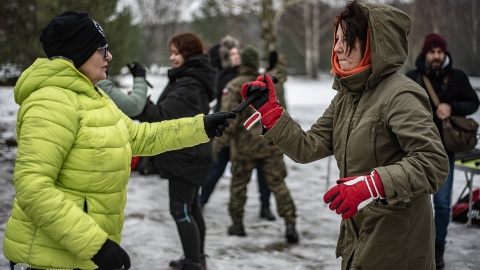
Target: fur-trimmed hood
[227,43]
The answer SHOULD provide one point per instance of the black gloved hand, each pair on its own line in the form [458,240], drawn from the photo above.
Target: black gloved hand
[111,257]
[137,70]
[216,123]
[272,60]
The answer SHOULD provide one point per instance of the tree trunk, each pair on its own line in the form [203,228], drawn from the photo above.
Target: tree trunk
[267,32]
[316,37]
[309,44]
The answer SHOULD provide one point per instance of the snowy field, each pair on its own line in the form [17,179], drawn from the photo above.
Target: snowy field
[150,236]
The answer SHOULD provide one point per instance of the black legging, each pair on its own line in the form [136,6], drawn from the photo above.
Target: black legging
[186,212]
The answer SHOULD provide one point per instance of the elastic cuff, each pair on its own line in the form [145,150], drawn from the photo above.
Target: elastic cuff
[271,117]
[378,183]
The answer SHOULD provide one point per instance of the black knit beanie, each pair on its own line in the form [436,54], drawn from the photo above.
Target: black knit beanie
[73,35]
[250,57]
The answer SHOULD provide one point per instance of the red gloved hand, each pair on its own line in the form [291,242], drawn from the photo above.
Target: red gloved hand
[267,105]
[352,193]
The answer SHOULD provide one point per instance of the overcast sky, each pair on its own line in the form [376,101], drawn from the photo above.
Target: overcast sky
[186,14]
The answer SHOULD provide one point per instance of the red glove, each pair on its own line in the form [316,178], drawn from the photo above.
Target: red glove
[268,105]
[352,193]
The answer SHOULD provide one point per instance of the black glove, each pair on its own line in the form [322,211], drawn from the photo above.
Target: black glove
[272,60]
[216,123]
[137,70]
[111,257]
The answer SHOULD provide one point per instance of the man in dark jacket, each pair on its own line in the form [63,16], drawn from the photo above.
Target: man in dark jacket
[457,97]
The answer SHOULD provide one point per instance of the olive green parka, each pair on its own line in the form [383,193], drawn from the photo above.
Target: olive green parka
[379,120]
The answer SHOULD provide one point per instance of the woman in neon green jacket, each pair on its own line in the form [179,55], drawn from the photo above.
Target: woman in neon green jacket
[74,152]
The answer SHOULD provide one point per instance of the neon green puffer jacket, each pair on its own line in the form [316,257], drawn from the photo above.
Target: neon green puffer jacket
[73,165]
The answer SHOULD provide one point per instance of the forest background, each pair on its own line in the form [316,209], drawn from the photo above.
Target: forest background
[302,30]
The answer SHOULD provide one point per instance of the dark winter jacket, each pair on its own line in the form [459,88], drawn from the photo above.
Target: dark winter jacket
[452,86]
[379,120]
[221,79]
[188,93]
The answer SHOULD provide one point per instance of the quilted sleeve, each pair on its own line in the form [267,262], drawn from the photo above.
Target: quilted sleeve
[148,139]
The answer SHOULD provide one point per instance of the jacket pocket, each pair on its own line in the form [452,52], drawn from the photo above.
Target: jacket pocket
[383,241]
[375,128]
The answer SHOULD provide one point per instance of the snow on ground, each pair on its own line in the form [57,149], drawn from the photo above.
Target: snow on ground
[150,235]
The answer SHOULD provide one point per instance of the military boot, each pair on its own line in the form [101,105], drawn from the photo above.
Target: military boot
[236,229]
[266,214]
[291,233]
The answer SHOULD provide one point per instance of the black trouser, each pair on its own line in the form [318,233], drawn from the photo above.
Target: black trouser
[186,212]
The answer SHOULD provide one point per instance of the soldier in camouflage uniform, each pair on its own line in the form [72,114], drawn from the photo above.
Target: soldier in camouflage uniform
[248,150]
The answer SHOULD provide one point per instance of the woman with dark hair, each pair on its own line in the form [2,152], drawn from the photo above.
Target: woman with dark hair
[188,92]
[379,127]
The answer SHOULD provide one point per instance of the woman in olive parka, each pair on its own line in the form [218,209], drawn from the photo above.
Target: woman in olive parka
[380,130]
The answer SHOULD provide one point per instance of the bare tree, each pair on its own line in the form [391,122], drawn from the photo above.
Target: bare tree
[309,42]
[268,16]
[160,20]
[312,21]
[475,25]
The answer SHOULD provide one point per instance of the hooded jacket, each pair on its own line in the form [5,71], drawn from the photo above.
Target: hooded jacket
[188,93]
[73,165]
[379,120]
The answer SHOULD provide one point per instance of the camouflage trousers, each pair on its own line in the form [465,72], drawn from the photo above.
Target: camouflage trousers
[274,171]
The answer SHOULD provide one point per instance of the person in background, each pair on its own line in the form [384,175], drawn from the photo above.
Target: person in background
[131,104]
[74,150]
[188,92]
[226,59]
[380,129]
[248,151]
[277,66]
[457,97]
